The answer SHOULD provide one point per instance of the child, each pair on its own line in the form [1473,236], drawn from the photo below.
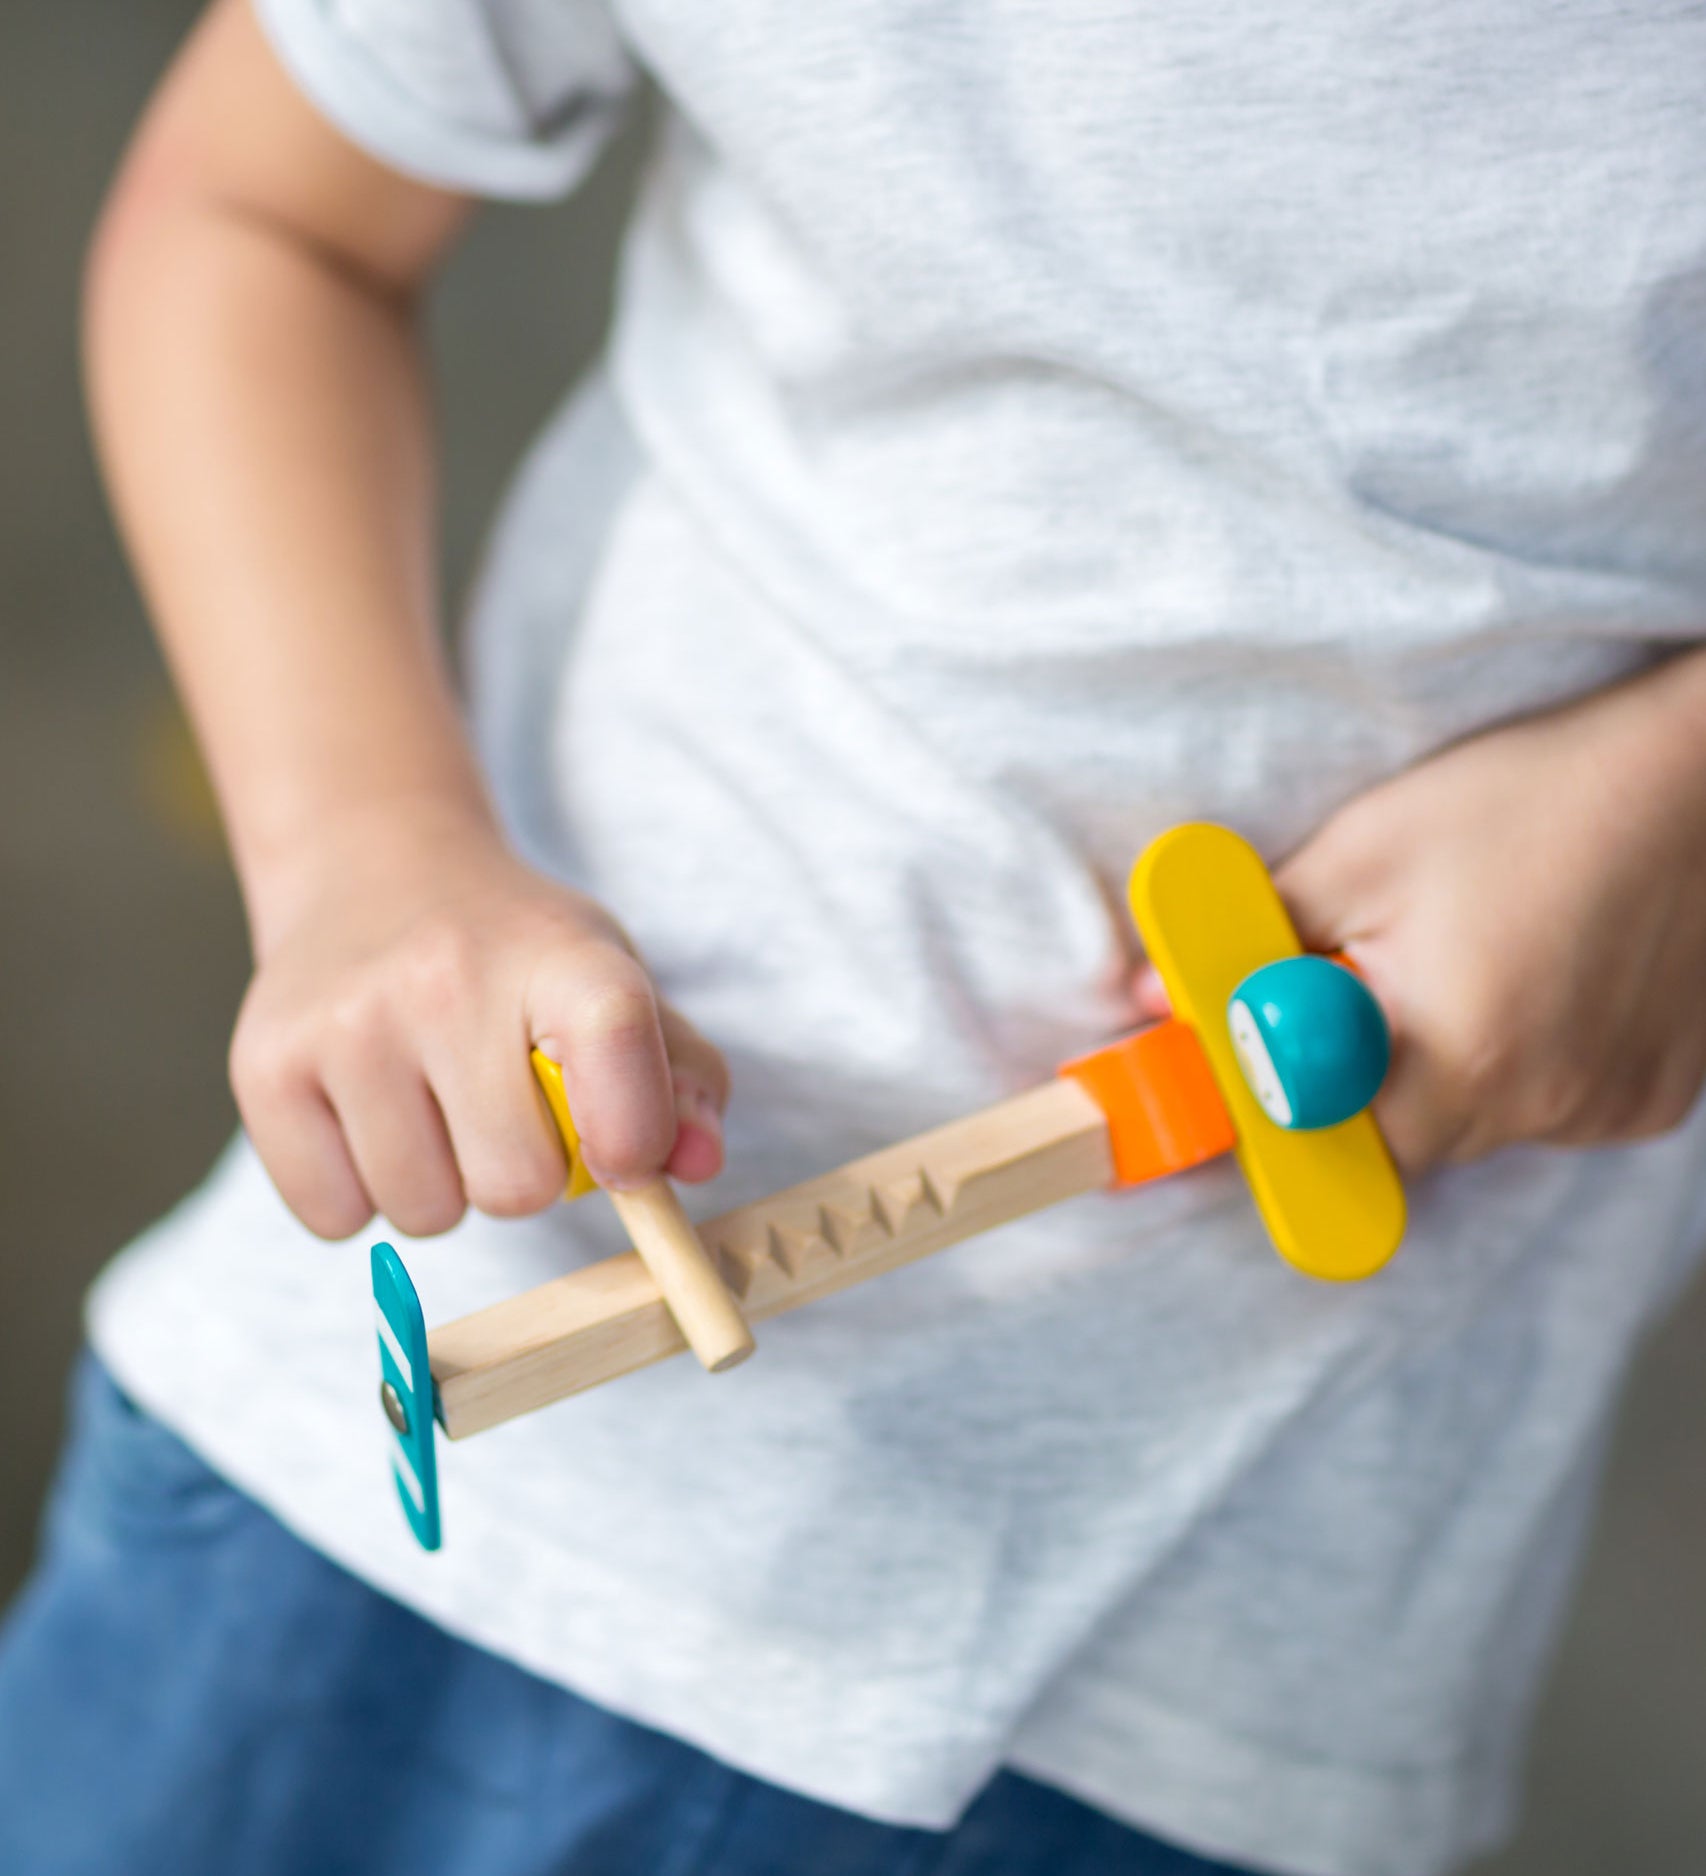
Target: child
[1025,427]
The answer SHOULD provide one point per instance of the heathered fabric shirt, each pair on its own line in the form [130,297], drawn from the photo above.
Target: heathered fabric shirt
[1032,425]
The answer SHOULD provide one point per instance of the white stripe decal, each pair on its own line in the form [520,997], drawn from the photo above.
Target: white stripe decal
[404,1468]
[388,1336]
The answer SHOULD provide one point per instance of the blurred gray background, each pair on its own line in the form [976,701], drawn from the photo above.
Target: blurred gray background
[122,951]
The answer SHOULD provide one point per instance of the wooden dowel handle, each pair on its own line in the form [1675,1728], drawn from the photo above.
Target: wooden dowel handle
[707,1315]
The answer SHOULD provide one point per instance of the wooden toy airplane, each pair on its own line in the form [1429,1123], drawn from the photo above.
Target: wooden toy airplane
[1269,1054]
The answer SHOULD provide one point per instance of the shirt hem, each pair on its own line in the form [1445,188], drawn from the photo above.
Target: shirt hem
[1247,1802]
[585,1651]
[1167,1774]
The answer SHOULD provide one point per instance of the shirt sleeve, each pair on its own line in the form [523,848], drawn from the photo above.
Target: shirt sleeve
[507,98]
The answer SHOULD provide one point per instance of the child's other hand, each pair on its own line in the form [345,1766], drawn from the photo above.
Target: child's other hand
[380,1059]
[1529,907]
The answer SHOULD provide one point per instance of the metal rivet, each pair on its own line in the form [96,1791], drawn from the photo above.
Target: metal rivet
[395,1411]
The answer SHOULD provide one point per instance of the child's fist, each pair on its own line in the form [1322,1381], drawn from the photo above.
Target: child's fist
[380,1059]
[1530,908]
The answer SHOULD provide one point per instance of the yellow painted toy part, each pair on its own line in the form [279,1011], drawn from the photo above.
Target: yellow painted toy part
[550,1078]
[1209,915]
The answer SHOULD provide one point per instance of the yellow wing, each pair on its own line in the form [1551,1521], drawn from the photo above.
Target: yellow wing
[1209,915]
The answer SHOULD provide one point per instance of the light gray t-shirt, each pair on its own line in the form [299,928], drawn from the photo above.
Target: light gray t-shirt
[1029,425]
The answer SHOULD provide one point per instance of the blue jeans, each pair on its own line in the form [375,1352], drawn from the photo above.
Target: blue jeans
[187,1690]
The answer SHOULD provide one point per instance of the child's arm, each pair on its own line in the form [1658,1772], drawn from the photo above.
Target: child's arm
[1530,908]
[258,403]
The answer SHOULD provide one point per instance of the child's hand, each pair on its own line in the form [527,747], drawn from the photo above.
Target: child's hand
[1529,907]
[380,1060]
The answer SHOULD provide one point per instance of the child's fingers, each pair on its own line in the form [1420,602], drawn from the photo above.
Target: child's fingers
[701,1081]
[693,1058]
[1421,1117]
[293,1129]
[594,1011]
[508,1153]
[1339,880]
[397,1137]
[1149,1000]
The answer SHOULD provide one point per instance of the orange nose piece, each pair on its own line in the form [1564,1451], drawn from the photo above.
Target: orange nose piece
[1156,1089]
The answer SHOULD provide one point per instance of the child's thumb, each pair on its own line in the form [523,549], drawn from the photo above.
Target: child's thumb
[595,1013]
[1320,888]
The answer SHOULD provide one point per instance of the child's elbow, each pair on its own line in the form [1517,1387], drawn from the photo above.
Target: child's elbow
[130,225]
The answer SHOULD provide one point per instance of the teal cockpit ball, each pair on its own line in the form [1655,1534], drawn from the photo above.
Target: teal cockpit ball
[1311,1040]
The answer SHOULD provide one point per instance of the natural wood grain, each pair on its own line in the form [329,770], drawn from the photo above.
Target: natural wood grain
[864,1218]
[707,1316]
